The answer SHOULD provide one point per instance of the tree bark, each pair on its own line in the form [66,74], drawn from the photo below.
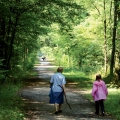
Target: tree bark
[11,42]
[2,41]
[105,38]
[114,36]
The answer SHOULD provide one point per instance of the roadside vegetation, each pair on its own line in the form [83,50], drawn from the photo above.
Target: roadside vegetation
[11,104]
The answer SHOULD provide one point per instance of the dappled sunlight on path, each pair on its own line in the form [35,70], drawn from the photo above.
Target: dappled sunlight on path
[36,98]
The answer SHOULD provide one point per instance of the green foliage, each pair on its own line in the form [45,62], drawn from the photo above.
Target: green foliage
[10,103]
[78,46]
[21,24]
[83,43]
[21,70]
[74,31]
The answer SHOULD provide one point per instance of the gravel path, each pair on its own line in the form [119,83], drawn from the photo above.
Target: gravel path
[36,99]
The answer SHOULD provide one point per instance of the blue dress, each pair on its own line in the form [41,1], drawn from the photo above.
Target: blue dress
[56,92]
[56,97]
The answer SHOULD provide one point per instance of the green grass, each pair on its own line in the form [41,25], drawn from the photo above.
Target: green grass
[84,81]
[10,103]
[112,104]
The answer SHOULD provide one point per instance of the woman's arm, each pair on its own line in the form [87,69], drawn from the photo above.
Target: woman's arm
[51,85]
[64,88]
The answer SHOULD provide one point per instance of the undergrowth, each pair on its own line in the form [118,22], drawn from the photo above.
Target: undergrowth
[10,102]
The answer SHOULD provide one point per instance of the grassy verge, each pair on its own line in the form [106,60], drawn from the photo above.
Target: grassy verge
[83,81]
[112,104]
[10,103]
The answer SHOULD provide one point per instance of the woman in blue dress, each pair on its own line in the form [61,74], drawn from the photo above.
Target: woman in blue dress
[57,90]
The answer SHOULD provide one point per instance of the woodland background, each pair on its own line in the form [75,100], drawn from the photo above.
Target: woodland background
[80,35]
[85,34]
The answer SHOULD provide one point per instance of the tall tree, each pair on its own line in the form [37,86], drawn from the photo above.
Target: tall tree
[105,36]
[22,21]
[116,8]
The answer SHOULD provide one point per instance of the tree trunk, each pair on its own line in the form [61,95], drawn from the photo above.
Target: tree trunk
[118,11]
[114,36]
[68,57]
[2,41]
[105,40]
[11,43]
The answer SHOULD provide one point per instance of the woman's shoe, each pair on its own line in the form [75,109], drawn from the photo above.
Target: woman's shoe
[56,112]
[59,111]
[96,113]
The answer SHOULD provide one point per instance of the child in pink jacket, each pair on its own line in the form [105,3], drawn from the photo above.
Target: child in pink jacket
[99,93]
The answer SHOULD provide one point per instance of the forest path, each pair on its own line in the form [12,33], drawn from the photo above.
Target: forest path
[36,99]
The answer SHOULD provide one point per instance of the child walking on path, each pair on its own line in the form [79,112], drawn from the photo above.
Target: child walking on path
[99,93]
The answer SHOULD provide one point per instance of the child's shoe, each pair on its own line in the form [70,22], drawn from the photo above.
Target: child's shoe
[103,113]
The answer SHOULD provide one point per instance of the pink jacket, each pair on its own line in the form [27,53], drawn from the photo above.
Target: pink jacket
[99,90]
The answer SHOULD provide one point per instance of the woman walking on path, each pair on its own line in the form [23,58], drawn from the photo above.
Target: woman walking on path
[57,90]
[99,93]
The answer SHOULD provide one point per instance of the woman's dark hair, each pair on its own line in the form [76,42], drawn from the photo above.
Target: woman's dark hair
[98,76]
[60,69]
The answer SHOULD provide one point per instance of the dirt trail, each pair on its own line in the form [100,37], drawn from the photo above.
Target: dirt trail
[36,99]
